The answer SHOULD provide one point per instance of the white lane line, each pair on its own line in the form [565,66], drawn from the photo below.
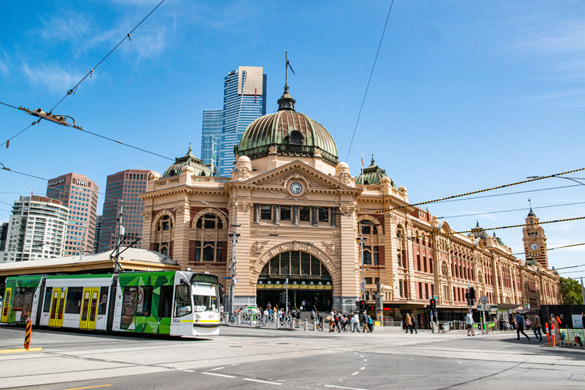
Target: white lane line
[356,353]
[260,381]
[365,360]
[188,370]
[355,373]
[363,368]
[217,368]
[361,356]
[216,374]
[342,387]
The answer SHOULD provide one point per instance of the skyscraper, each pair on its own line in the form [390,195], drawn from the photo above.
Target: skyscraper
[122,190]
[37,229]
[80,194]
[244,99]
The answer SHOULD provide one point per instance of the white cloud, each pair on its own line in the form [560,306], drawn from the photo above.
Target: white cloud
[4,69]
[149,43]
[54,77]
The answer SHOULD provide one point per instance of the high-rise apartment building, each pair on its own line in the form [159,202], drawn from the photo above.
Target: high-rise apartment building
[244,99]
[98,232]
[80,195]
[37,229]
[122,190]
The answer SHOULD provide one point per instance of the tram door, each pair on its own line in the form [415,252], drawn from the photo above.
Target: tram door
[6,307]
[89,306]
[57,306]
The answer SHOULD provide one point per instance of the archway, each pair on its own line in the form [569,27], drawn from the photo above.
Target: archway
[304,276]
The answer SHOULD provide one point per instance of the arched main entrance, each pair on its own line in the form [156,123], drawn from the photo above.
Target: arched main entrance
[308,281]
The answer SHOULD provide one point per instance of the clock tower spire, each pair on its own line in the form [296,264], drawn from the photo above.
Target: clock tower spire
[534,241]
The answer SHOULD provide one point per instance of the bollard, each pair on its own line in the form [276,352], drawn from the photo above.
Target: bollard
[547,334]
[306,325]
[27,334]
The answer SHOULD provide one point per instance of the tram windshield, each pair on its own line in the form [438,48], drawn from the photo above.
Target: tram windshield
[205,297]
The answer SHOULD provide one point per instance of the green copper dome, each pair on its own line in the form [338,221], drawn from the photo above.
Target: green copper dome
[287,133]
[372,175]
[187,160]
[478,232]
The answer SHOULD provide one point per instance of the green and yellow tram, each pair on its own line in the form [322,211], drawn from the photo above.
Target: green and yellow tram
[175,303]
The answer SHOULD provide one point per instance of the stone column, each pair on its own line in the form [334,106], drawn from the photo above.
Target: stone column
[295,216]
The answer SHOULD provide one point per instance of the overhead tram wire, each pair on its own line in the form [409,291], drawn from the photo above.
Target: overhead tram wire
[127,36]
[496,228]
[369,80]
[91,71]
[480,191]
[509,211]
[555,248]
[7,142]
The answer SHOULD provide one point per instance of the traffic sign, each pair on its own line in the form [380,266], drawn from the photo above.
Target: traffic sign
[483,299]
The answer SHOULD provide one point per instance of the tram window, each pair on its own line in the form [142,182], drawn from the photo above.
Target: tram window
[144,302]
[285,213]
[323,214]
[305,263]
[182,301]
[73,304]
[23,297]
[204,297]
[103,300]
[305,213]
[165,301]
[47,302]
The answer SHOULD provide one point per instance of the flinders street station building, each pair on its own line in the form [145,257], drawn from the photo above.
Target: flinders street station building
[299,216]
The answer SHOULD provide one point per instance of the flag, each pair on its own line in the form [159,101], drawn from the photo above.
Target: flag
[255,92]
[288,65]
[362,161]
[7,144]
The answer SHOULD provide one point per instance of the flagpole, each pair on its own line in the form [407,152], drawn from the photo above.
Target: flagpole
[286,69]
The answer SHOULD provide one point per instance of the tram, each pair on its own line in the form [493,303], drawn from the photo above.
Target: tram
[175,303]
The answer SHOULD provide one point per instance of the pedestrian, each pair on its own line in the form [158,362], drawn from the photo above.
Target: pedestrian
[562,322]
[408,323]
[370,324]
[356,323]
[413,319]
[520,327]
[365,319]
[536,327]
[469,323]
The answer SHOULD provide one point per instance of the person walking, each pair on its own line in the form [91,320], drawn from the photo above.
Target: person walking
[520,327]
[413,319]
[366,320]
[356,323]
[536,327]
[408,323]
[469,323]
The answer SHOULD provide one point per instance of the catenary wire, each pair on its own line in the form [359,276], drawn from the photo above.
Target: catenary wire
[510,193]
[509,211]
[552,249]
[369,80]
[480,191]
[128,36]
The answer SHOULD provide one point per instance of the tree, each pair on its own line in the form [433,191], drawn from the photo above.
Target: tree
[571,292]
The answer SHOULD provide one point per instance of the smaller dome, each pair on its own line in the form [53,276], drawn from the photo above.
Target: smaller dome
[478,232]
[373,175]
[531,213]
[187,160]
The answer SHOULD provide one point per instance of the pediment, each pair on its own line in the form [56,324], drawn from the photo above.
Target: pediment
[310,178]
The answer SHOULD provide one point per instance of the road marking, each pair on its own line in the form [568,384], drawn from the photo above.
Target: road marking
[188,370]
[459,362]
[18,350]
[217,368]
[342,387]
[355,373]
[216,374]
[261,381]
[365,360]
[361,356]
[88,387]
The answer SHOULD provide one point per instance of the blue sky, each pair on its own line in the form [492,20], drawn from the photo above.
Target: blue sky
[465,95]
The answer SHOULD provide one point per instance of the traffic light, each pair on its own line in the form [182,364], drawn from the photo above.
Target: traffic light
[283,297]
[362,305]
[470,296]
[433,304]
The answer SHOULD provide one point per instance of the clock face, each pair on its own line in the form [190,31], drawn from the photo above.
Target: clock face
[296,187]
[534,246]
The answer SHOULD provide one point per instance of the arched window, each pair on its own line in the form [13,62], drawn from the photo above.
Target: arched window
[209,246]
[164,223]
[369,233]
[295,263]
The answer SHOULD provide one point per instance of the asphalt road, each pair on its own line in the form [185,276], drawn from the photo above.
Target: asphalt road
[256,359]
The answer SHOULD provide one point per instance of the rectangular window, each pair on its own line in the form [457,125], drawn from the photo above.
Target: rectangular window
[218,251]
[295,261]
[285,213]
[73,304]
[367,254]
[365,229]
[284,263]
[304,213]
[323,214]
[182,300]
[376,261]
[103,301]
[197,250]
[266,212]
[368,280]
[274,266]
[305,263]
[315,267]
[47,302]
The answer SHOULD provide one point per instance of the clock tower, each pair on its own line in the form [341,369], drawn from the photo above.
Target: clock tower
[534,241]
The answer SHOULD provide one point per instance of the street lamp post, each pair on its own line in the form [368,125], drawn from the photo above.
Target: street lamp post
[233,261]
